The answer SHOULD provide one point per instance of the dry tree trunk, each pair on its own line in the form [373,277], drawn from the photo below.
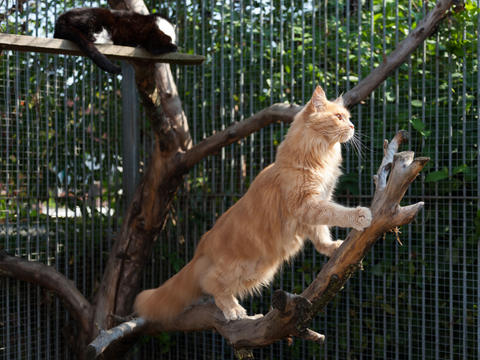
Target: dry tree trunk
[172,158]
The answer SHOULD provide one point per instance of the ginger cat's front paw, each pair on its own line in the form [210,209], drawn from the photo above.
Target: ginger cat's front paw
[362,218]
[236,313]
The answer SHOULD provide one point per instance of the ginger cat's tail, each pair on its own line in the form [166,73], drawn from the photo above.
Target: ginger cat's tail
[170,299]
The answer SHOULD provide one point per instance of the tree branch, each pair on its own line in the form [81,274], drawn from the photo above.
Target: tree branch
[148,211]
[107,337]
[237,131]
[172,104]
[402,52]
[389,152]
[46,276]
[262,119]
[292,313]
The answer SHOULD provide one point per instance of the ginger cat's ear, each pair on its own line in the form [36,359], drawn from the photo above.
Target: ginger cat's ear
[319,100]
[309,108]
[339,101]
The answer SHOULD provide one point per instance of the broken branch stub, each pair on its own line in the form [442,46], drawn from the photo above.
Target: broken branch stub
[106,337]
[386,215]
[389,151]
[291,314]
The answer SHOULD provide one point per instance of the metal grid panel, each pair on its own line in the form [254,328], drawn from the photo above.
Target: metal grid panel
[60,175]
[419,300]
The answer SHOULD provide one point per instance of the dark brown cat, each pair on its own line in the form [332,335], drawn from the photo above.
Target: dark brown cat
[88,26]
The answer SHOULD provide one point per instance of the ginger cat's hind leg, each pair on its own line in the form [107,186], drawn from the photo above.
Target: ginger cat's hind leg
[215,282]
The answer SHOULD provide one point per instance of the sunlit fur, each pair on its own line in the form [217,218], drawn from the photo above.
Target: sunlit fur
[289,202]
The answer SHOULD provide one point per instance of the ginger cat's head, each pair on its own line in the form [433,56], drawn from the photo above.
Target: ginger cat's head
[329,119]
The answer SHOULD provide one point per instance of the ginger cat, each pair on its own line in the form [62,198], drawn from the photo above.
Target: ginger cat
[289,202]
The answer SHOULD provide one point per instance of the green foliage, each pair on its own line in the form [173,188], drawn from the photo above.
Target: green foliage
[259,53]
[434,96]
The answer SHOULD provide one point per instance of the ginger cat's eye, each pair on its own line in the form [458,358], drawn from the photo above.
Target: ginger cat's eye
[339,116]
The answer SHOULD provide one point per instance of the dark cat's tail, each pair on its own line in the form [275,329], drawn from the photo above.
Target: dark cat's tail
[70,33]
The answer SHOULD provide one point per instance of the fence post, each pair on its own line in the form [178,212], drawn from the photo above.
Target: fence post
[131,134]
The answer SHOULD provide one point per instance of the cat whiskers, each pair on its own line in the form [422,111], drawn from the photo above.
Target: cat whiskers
[360,134]
[357,146]
[359,141]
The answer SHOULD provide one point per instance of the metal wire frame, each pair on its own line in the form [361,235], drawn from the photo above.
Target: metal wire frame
[407,303]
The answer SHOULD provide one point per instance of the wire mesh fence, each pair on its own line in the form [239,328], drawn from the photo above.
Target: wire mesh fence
[62,161]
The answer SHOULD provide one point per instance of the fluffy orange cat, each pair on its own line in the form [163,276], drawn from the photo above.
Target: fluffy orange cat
[289,202]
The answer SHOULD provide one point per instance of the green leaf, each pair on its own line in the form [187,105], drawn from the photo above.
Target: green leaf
[368,321]
[380,268]
[417,124]
[308,279]
[417,103]
[164,341]
[411,268]
[351,78]
[436,176]
[379,340]
[461,169]
[420,127]
[388,308]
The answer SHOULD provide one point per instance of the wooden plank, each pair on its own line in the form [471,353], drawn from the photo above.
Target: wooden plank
[58,46]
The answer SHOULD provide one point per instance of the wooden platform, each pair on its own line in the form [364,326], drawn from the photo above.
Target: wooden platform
[57,46]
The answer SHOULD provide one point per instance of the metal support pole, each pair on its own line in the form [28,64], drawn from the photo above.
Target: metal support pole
[131,134]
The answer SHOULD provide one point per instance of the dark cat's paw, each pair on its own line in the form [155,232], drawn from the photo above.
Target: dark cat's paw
[362,218]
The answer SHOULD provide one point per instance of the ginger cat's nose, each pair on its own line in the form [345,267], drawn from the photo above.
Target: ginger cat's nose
[351,126]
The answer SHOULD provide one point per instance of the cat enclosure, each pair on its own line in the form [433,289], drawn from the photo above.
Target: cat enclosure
[75,141]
